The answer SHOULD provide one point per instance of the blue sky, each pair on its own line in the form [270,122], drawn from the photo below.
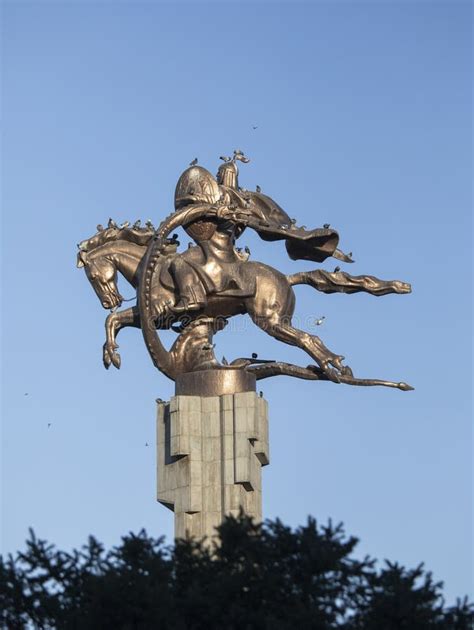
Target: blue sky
[364,122]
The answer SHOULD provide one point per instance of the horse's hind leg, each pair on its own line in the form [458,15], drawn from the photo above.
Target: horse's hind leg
[328,361]
[113,324]
[272,310]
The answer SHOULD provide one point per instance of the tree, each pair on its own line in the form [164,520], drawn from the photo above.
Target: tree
[256,577]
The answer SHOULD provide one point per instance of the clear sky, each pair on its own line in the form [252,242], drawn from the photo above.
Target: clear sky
[363,115]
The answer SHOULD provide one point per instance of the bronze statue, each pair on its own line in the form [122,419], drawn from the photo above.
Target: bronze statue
[194,292]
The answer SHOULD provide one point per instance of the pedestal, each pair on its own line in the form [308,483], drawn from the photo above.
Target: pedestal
[210,453]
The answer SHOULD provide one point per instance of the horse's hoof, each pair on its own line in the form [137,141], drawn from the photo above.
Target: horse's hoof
[333,375]
[106,359]
[116,360]
[337,362]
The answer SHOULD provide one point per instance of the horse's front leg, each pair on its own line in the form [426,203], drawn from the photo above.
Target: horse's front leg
[113,324]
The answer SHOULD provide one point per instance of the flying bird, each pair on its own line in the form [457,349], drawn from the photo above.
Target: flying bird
[26,394]
[254,126]
[146,443]
[49,424]
[320,320]
[194,162]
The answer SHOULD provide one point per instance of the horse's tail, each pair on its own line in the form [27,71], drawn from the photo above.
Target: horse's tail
[342,282]
[313,278]
[320,280]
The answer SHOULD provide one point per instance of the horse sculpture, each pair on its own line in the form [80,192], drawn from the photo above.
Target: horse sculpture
[265,294]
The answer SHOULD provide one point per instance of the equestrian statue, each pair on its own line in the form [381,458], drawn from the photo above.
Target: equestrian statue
[194,292]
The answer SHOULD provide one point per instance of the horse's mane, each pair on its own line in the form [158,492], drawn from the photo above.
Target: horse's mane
[113,232]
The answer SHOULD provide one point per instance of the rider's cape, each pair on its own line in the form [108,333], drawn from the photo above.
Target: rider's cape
[272,223]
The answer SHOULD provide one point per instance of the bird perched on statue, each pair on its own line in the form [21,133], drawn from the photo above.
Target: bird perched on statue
[260,394]
[149,224]
[254,355]
[326,226]
[258,189]
[224,361]
[137,224]
[194,162]
[336,269]
[247,250]
[111,224]
[320,320]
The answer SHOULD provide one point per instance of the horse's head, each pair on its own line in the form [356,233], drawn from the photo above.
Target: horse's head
[102,275]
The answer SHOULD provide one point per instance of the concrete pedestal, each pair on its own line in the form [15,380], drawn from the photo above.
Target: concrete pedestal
[210,453]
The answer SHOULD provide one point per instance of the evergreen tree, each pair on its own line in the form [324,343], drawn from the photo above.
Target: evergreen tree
[255,577]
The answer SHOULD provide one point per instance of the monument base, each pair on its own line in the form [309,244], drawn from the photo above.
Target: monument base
[210,453]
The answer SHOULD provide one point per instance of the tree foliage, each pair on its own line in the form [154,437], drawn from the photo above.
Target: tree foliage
[256,577]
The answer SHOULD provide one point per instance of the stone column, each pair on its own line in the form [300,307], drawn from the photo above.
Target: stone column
[210,453]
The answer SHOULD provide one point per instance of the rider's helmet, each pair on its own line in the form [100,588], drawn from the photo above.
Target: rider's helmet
[196,185]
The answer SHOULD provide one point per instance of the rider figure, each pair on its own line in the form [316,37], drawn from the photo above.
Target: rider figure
[214,213]
[212,266]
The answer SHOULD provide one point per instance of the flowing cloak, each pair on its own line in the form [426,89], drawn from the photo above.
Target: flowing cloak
[197,193]
[272,223]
